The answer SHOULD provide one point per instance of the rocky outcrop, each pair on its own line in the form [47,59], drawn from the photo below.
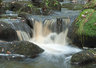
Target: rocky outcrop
[84,57]
[20,49]
[83,29]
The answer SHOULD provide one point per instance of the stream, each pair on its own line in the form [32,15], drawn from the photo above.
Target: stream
[57,50]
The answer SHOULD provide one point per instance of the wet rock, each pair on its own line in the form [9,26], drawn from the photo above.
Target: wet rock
[31,9]
[84,57]
[14,30]
[22,6]
[7,33]
[49,5]
[23,48]
[36,2]
[14,6]
[27,19]
[72,6]
[60,0]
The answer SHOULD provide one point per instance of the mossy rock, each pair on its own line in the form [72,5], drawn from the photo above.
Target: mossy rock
[19,7]
[90,4]
[71,6]
[83,29]
[52,4]
[84,57]
[30,9]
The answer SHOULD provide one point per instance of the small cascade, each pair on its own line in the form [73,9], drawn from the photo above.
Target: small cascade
[51,35]
[23,31]
[50,28]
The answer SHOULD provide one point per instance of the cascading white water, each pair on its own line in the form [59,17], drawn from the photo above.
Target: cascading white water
[57,51]
[46,36]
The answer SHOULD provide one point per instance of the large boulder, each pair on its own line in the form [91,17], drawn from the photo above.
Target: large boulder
[83,29]
[7,33]
[84,57]
[28,49]
[14,30]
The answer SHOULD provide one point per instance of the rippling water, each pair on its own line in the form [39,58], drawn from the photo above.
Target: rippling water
[56,58]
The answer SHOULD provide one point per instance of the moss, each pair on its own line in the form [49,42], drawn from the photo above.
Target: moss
[71,6]
[52,4]
[85,23]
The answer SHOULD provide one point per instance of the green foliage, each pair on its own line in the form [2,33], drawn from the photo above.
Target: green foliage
[30,5]
[50,4]
[86,23]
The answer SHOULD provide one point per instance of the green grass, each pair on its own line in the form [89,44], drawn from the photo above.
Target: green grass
[86,24]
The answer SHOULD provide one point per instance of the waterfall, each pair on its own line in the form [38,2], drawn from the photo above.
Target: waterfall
[51,35]
[50,29]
